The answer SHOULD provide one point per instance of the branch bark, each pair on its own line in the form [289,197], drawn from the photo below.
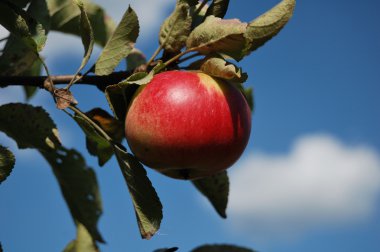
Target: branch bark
[38,81]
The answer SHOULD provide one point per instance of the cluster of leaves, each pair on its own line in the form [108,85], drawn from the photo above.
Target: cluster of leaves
[193,28]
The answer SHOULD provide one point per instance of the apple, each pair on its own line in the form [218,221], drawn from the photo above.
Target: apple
[187,124]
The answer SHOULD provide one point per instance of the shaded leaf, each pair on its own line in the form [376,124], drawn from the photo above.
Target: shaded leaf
[220,36]
[176,28]
[34,70]
[119,97]
[96,144]
[65,18]
[268,25]
[17,56]
[83,242]
[248,94]
[215,189]
[21,24]
[29,126]
[87,35]
[166,250]
[21,3]
[79,188]
[135,59]
[221,248]
[145,200]
[7,162]
[198,16]
[218,8]
[120,44]
[219,67]
[64,98]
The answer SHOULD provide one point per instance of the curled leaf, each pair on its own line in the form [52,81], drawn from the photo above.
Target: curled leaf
[7,162]
[218,67]
[64,98]
[216,35]
[176,28]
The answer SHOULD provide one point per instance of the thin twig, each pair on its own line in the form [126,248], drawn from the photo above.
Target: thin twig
[188,57]
[158,50]
[178,56]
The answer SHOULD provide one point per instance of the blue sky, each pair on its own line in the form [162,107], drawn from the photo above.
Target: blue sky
[308,181]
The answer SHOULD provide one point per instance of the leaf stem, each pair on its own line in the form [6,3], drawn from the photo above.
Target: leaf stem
[178,56]
[158,50]
[189,57]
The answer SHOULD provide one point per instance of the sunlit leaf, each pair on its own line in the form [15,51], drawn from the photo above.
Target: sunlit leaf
[83,242]
[141,78]
[218,8]
[145,200]
[7,162]
[216,35]
[219,67]
[263,28]
[65,18]
[176,28]
[87,35]
[79,187]
[215,189]
[120,44]
[29,126]
[221,248]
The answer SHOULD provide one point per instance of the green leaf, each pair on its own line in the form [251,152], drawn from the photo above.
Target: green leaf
[268,25]
[216,35]
[248,94]
[65,18]
[218,8]
[21,24]
[219,67]
[34,70]
[118,97]
[215,189]
[140,78]
[97,145]
[166,250]
[120,44]
[29,126]
[135,59]
[79,188]
[17,56]
[145,200]
[221,248]
[83,242]
[87,35]
[176,28]
[7,162]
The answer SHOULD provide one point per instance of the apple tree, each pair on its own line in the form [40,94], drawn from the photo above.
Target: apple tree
[184,110]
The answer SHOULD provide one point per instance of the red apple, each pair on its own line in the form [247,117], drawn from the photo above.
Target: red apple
[188,125]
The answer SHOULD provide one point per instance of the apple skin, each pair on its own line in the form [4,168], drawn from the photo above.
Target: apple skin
[188,125]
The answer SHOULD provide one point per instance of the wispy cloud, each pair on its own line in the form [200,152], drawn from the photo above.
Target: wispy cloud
[321,183]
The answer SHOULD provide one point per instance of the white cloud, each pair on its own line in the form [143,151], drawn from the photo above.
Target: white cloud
[321,183]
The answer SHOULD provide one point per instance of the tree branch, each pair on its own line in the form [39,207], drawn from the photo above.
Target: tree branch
[38,81]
